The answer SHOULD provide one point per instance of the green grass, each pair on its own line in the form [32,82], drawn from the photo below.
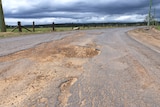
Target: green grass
[15,33]
[158,27]
[9,32]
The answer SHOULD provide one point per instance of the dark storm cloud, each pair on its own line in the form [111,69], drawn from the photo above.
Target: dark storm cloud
[81,9]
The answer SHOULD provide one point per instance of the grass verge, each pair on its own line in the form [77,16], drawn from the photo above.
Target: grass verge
[158,27]
[9,32]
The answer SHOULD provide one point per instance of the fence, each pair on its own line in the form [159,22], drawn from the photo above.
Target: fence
[20,27]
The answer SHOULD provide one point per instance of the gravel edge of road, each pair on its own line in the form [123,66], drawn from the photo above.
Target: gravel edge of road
[143,43]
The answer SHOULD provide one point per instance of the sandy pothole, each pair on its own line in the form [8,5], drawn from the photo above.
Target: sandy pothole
[28,73]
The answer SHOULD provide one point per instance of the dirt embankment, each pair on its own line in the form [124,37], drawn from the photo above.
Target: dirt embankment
[151,37]
[25,76]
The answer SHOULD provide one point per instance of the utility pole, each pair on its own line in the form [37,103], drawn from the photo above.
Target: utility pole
[2,22]
[154,17]
[149,14]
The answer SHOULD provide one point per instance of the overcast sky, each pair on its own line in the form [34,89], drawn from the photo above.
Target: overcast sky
[76,11]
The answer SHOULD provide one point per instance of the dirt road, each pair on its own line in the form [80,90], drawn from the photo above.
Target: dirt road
[94,68]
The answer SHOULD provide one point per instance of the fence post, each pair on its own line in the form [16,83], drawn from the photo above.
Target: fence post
[53,26]
[72,25]
[33,26]
[19,26]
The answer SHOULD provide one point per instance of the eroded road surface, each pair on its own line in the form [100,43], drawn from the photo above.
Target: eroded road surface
[94,68]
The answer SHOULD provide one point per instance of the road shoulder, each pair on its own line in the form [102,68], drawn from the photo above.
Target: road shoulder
[149,38]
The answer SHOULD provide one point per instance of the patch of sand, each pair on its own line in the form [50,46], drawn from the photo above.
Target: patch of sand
[29,72]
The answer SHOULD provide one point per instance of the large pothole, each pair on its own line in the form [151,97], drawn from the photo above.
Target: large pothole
[54,50]
[32,71]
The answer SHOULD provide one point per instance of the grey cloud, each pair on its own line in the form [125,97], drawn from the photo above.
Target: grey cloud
[83,10]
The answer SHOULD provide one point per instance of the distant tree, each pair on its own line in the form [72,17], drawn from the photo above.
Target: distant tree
[152,19]
[2,22]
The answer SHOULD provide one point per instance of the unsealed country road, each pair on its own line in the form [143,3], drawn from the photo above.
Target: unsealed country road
[126,73]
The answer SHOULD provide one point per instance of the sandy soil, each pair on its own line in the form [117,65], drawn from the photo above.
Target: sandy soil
[26,74]
[43,75]
[151,37]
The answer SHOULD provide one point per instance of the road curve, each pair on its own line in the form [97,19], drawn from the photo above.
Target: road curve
[126,73]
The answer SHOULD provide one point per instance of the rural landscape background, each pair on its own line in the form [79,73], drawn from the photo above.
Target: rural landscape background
[79,13]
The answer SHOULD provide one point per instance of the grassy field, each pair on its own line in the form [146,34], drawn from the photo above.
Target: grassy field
[9,32]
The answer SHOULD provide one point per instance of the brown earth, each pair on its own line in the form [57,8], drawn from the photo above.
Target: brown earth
[151,37]
[29,72]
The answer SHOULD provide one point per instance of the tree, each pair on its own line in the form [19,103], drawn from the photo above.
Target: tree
[152,20]
[2,22]
[149,13]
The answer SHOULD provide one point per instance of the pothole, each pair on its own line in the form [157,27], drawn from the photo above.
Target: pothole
[65,91]
[52,51]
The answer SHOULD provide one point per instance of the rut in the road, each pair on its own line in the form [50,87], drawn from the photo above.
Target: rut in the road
[65,93]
